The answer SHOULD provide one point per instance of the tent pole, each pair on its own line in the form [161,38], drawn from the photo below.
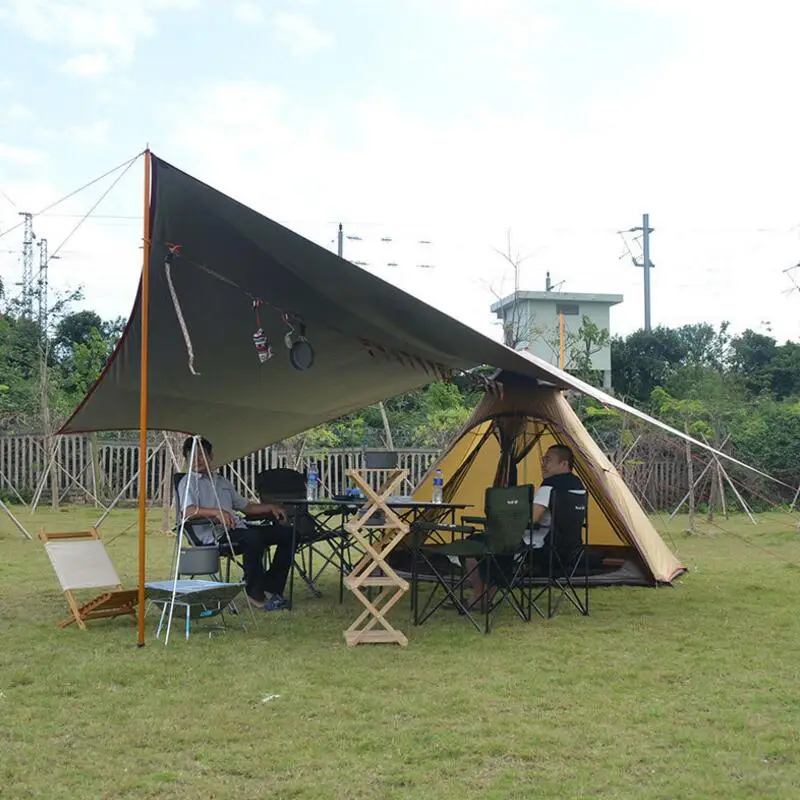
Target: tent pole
[144,355]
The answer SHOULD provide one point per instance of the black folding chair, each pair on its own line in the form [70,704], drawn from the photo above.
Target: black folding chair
[282,485]
[567,554]
[226,550]
[495,542]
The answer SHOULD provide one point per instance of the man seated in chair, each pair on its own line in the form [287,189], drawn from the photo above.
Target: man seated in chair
[557,475]
[211,502]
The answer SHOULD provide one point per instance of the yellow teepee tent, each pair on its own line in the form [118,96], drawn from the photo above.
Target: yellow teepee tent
[503,444]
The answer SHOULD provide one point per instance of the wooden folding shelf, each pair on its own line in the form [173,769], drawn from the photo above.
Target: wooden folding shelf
[372,626]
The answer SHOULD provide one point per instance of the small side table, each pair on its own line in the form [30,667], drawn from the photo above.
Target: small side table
[200,599]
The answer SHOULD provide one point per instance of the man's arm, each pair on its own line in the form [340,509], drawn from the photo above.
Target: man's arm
[221,515]
[189,495]
[263,509]
[538,513]
[256,509]
[541,503]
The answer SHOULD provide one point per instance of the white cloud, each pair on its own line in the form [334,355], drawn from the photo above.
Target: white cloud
[91,27]
[18,111]
[21,155]
[705,143]
[249,13]
[93,135]
[707,149]
[300,34]
[87,65]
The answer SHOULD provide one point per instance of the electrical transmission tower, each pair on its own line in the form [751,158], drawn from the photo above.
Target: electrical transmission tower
[27,264]
[42,287]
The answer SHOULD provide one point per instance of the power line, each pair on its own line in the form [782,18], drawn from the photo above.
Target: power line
[28,278]
[125,164]
[96,216]
[341,236]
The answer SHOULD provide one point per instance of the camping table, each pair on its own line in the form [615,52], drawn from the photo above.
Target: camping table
[210,596]
[407,509]
[373,571]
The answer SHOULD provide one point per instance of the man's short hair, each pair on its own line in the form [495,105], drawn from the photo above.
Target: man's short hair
[204,443]
[563,453]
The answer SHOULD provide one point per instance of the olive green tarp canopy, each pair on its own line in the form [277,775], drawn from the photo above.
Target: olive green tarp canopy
[371,339]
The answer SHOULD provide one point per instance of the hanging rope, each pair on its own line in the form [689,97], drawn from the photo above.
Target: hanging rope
[174,249]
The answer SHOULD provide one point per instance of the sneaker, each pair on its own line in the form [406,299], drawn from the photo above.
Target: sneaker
[276,603]
[256,603]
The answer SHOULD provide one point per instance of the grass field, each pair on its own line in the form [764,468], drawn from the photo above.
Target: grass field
[689,691]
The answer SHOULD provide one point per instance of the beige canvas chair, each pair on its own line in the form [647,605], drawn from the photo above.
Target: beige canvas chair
[81,562]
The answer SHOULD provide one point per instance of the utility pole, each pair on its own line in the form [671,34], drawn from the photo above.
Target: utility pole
[341,241]
[646,264]
[27,264]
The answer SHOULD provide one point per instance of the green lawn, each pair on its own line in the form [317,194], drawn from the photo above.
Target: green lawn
[689,691]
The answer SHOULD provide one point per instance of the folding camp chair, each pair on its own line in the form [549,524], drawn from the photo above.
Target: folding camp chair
[199,552]
[567,554]
[495,542]
[282,485]
[80,561]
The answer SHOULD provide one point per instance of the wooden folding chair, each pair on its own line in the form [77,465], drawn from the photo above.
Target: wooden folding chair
[80,561]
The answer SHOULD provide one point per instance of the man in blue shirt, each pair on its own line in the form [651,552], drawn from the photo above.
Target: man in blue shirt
[211,502]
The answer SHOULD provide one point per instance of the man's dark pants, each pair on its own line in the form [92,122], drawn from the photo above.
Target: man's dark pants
[252,542]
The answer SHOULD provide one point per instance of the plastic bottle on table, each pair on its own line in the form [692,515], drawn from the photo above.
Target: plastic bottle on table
[438,487]
[312,482]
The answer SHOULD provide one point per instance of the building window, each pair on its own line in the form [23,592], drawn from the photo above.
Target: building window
[567,309]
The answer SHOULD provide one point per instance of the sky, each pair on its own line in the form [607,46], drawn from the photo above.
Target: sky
[443,134]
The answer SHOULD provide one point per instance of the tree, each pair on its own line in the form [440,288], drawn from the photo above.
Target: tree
[579,347]
[752,355]
[646,360]
[643,361]
[83,343]
[515,321]
[19,369]
[74,329]
[443,415]
[785,369]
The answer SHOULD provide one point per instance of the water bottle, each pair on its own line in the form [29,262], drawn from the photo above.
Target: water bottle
[312,482]
[438,486]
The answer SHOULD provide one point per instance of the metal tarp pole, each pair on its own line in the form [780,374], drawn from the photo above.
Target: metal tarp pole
[143,374]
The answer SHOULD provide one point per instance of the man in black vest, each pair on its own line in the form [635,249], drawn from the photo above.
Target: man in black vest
[571,497]
[570,506]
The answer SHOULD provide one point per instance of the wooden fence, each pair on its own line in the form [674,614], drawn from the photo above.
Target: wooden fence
[81,466]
